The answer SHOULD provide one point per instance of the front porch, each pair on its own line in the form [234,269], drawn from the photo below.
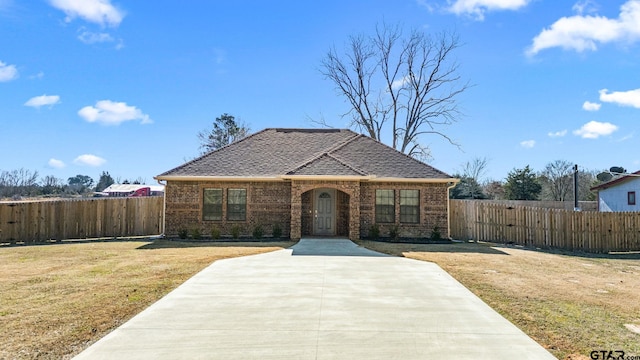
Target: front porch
[325,208]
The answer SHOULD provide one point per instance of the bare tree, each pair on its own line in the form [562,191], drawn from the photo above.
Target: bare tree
[51,185]
[470,185]
[18,182]
[557,181]
[586,180]
[494,190]
[476,168]
[405,87]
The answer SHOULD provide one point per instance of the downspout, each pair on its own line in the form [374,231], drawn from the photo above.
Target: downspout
[451,186]
[164,207]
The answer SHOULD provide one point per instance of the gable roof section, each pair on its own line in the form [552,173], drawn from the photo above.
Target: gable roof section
[278,153]
[616,181]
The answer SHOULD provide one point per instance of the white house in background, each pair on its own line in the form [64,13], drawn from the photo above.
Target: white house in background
[121,190]
[620,193]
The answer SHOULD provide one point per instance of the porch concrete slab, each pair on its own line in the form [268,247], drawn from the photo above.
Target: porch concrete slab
[320,299]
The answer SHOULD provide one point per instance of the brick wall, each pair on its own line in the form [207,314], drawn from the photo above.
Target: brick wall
[307,213]
[342,214]
[267,204]
[270,202]
[433,209]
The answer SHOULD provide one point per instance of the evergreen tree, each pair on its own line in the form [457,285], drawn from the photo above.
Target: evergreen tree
[522,184]
[225,131]
[105,181]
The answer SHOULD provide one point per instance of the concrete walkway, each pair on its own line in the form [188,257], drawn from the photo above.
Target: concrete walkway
[321,299]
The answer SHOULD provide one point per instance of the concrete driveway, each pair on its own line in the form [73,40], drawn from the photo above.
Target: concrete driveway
[321,299]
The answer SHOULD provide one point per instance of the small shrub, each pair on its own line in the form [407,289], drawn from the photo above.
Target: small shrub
[235,231]
[195,234]
[257,232]
[215,233]
[374,231]
[435,234]
[277,231]
[394,232]
[183,233]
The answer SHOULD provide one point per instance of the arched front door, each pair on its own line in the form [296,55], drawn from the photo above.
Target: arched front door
[324,212]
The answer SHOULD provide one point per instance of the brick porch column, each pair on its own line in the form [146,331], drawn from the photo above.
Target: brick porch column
[354,213]
[295,232]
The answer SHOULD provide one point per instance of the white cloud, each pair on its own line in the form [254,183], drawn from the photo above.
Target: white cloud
[8,72]
[89,160]
[108,112]
[56,164]
[42,100]
[595,129]
[584,32]
[625,138]
[558,133]
[528,144]
[585,6]
[89,37]
[623,98]
[589,106]
[39,75]
[397,84]
[96,11]
[477,8]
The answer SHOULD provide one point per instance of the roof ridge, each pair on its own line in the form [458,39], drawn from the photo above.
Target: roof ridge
[324,152]
[214,151]
[346,164]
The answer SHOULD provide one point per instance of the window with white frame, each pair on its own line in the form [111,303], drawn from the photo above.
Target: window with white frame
[212,204]
[385,206]
[410,206]
[236,204]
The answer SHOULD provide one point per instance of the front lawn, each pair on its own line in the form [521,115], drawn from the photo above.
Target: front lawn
[570,304]
[56,300]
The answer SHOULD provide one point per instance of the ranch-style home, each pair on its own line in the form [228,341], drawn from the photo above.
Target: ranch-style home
[308,182]
[619,194]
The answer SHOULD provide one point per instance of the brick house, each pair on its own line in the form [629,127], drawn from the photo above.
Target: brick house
[310,182]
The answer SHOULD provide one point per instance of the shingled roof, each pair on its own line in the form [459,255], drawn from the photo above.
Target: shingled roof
[282,153]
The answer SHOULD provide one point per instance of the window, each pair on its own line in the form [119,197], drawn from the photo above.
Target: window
[631,198]
[237,204]
[212,204]
[385,206]
[410,206]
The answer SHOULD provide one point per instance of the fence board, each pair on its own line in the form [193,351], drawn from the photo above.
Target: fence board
[38,221]
[588,231]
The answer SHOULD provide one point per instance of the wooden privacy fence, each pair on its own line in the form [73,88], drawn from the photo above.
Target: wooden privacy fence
[39,221]
[589,231]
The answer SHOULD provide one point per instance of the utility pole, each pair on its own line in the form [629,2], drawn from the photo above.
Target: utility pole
[576,206]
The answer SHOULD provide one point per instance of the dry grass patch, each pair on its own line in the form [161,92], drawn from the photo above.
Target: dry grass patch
[55,300]
[570,304]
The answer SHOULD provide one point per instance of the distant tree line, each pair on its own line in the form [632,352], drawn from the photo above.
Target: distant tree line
[554,182]
[26,183]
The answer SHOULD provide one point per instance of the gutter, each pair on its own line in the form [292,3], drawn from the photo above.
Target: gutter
[164,207]
[451,186]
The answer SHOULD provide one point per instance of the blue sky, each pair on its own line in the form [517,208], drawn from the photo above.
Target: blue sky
[124,86]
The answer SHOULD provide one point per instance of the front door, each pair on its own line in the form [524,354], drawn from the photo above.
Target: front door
[324,212]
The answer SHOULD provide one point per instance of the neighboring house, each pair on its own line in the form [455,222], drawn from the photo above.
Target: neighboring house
[120,190]
[619,194]
[310,182]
